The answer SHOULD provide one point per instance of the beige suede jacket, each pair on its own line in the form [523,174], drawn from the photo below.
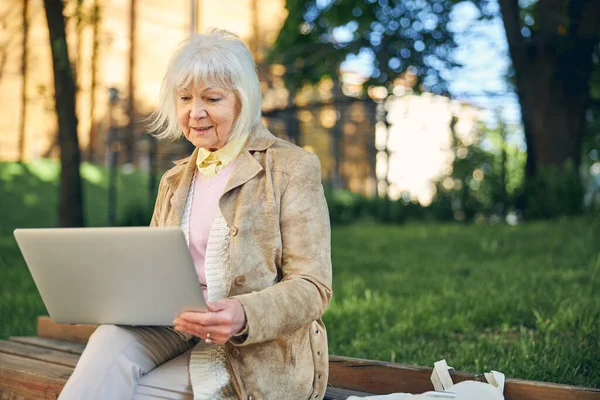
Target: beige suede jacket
[280,256]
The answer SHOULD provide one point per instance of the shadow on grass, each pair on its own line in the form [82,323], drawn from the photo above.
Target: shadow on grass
[26,200]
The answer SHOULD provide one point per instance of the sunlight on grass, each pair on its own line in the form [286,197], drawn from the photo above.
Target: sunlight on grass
[93,174]
[45,169]
[31,192]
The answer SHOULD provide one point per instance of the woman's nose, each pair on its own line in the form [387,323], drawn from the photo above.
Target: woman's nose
[198,110]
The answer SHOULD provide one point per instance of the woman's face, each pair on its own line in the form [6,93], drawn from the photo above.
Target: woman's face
[206,115]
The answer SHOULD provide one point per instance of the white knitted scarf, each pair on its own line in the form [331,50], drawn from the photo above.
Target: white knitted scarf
[209,375]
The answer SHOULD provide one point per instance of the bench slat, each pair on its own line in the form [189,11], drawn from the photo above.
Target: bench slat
[72,333]
[53,344]
[39,353]
[377,377]
[24,378]
[40,373]
[384,377]
[62,352]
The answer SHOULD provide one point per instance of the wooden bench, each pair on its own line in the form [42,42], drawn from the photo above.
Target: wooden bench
[38,367]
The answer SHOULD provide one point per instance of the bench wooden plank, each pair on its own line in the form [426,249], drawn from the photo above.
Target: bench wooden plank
[24,378]
[531,390]
[377,376]
[39,353]
[72,333]
[28,371]
[53,344]
[384,377]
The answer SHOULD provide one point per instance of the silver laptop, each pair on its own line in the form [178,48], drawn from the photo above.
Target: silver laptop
[127,276]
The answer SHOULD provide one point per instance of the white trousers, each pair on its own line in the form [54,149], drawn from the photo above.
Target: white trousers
[117,357]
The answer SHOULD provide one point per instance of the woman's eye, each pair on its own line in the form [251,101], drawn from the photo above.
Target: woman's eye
[184,98]
[214,99]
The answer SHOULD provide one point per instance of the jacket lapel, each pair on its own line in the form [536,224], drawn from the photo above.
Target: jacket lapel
[246,168]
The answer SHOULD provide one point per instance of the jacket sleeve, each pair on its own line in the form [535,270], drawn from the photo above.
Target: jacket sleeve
[304,291]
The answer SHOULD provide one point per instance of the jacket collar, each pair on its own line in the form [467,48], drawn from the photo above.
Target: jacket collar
[246,167]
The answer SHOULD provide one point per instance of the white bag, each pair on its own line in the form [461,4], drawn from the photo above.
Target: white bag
[442,382]
[468,390]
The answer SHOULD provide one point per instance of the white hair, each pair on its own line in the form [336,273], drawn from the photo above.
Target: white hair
[219,59]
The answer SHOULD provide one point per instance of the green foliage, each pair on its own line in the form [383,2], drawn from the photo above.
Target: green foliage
[553,192]
[348,208]
[521,300]
[136,214]
[487,175]
[305,57]
[400,35]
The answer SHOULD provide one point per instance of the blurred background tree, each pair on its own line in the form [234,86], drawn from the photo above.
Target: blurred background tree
[71,197]
[553,45]
[487,174]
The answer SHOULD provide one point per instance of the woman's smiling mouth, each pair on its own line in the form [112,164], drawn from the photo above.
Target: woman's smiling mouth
[201,129]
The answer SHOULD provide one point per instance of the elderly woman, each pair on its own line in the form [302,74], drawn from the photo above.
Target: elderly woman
[252,209]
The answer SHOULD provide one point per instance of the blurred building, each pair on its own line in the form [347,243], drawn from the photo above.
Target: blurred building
[378,144]
[121,44]
[388,144]
[415,143]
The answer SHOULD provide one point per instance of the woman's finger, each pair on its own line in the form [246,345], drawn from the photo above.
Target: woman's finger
[216,334]
[206,319]
[191,328]
[217,337]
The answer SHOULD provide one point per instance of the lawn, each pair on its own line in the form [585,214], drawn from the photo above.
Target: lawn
[524,300]
[29,195]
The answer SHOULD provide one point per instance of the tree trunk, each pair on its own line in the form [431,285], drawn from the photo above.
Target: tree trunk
[24,82]
[555,97]
[71,207]
[129,139]
[93,124]
[553,69]
[338,180]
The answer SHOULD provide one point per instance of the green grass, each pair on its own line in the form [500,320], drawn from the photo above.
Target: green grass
[523,300]
[29,194]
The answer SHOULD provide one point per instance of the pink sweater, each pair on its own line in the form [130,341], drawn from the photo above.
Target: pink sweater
[205,202]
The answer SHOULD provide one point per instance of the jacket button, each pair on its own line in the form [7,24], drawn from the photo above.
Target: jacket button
[240,280]
[235,352]
[234,231]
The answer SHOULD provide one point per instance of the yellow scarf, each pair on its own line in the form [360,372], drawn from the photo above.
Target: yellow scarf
[211,162]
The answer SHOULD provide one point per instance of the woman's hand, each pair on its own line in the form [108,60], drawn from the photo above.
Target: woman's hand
[223,319]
